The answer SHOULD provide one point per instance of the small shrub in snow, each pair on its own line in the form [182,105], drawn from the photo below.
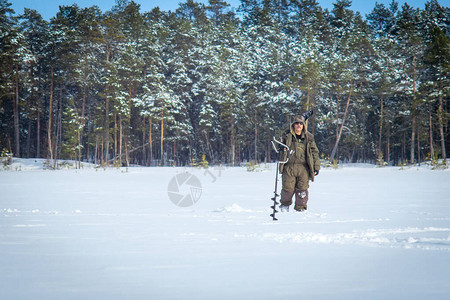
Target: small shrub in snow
[253,166]
[437,164]
[6,159]
[65,165]
[202,164]
[380,160]
[326,163]
[48,165]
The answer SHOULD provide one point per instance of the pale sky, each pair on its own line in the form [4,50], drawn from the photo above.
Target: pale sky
[49,8]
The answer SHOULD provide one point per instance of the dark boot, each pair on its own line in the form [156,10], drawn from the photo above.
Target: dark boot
[301,200]
[300,208]
[286,197]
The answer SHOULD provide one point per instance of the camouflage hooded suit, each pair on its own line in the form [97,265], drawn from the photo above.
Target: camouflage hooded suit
[300,168]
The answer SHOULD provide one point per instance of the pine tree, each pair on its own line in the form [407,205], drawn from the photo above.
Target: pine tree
[177,86]
[36,35]
[411,47]
[342,70]
[10,55]
[436,60]
[72,130]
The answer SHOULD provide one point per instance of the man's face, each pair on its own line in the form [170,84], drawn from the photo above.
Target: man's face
[298,127]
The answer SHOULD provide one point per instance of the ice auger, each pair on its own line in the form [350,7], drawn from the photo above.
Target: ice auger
[281,147]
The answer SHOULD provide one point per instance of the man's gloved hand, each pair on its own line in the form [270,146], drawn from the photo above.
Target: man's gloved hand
[282,148]
[316,172]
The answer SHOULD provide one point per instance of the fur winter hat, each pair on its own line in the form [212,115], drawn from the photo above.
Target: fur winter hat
[299,119]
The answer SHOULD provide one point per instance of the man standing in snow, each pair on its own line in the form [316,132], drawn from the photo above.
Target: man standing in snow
[302,166]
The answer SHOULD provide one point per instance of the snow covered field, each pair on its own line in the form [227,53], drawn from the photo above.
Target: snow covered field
[369,233]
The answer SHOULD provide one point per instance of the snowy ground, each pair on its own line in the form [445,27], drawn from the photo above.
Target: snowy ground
[369,233]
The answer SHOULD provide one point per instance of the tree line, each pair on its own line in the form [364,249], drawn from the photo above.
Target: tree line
[209,81]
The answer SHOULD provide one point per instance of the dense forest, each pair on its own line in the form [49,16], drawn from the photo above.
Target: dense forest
[210,81]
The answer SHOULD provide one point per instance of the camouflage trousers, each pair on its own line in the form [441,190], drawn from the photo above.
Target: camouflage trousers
[295,180]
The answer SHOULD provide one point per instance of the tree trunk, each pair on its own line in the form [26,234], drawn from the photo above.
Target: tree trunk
[413,136]
[150,140]
[388,146]
[337,117]
[431,134]
[83,107]
[106,129]
[16,110]
[307,96]
[337,110]
[233,143]
[38,134]
[106,126]
[33,97]
[128,132]
[50,113]
[308,105]
[413,123]
[60,112]
[175,149]
[333,153]
[79,145]
[57,125]
[115,137]
[209,149]
[96,150]
[29,138]
[403,148]
[441,126]
[256,137]
[418,147]
[120,140]
[380,134]
[144,158]
[101,156]
[162,137]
